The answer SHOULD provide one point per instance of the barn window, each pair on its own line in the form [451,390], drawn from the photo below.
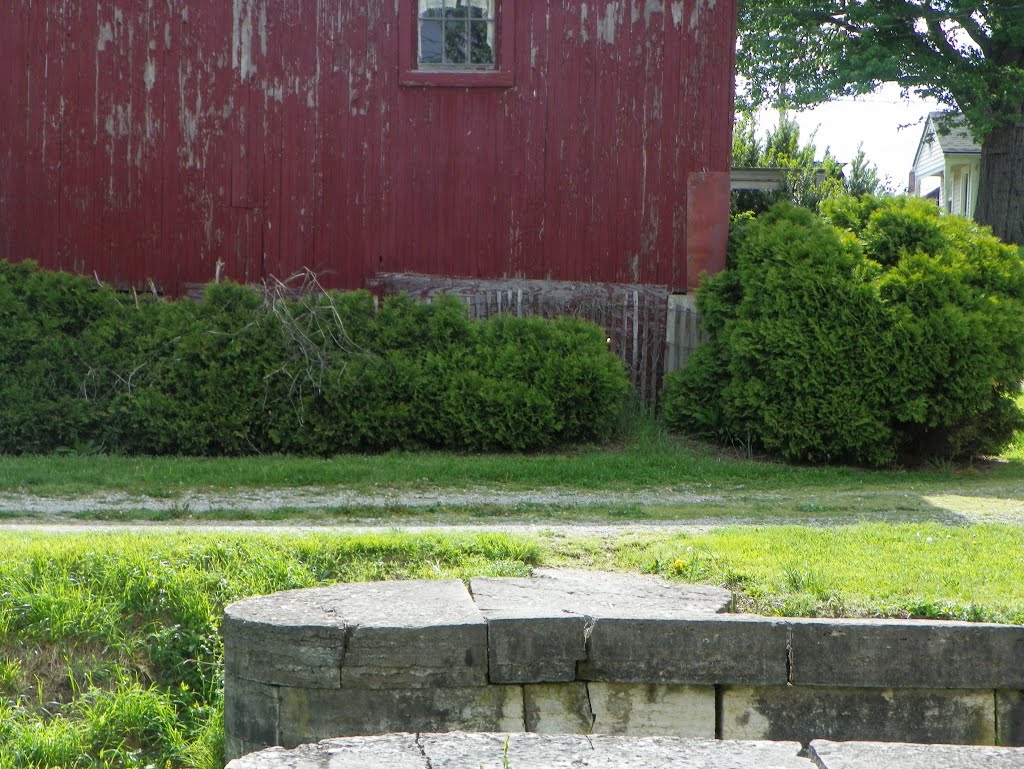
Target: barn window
[457,43]
[457,33]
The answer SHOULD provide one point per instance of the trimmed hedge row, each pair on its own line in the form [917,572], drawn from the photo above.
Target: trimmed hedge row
[879,333]
[85,368]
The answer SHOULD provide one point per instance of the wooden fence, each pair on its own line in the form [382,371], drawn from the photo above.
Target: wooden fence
[633,316]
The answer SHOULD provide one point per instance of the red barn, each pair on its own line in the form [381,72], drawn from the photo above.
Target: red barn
[575,151]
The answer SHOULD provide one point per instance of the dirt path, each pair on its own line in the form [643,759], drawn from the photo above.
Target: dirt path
[312,498]
[478,509]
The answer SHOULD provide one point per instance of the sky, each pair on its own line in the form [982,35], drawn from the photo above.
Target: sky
[879,120]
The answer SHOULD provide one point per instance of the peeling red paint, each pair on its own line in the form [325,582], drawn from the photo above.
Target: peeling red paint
[151,140]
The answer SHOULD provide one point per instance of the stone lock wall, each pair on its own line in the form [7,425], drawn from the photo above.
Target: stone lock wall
[585,653]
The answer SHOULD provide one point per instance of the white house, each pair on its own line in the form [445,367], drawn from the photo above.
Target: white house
[947,165]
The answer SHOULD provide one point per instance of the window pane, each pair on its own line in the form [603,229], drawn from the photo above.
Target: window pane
[481,9]
[482,42]
[457,10]
[431,45]
[431,9]
[456,43]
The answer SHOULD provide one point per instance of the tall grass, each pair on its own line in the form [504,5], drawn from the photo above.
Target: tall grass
[111,651]
[922,569]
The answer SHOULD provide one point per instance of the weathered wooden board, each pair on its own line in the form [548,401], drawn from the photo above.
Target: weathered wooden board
[151,140]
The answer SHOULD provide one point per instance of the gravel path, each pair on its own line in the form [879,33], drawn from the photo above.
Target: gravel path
[574,515]
[261,501]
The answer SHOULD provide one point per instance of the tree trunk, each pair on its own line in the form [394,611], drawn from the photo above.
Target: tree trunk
[1001,190]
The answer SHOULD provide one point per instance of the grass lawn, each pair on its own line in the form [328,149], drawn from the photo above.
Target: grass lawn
[723,486]
[667,462]
[645,459]
[111,654]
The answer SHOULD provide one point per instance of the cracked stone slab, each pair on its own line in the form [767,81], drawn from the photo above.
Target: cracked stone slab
[381,635]
[539,627]
[907,654]
[528,751]
[880,755]
[622,753]
[395,751]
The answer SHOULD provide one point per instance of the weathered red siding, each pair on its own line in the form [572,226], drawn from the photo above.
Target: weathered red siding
[146,139]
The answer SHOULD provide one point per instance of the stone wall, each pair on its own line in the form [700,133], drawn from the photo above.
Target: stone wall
[586,653]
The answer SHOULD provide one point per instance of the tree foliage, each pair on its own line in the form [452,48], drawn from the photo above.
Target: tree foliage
[967,55]
[808,181]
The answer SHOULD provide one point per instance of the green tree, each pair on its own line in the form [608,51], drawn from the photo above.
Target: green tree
[967,55]
[862,178]
[808,181]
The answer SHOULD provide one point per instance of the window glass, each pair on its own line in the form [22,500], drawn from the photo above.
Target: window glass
[457,33]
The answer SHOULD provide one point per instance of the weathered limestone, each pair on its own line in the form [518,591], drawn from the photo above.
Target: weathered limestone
[539,628]
[619,753]
[377,635]
[558,708]
[730,649]
[1010,718]
[251,716]
[528,751]
[305,715]
[396,751]
[907,654]
[589,654]
[287,638]
[563,626]
[879,755]
[888,715]
[637,710]
[653,710]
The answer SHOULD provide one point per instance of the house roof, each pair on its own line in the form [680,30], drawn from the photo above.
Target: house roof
[955,139]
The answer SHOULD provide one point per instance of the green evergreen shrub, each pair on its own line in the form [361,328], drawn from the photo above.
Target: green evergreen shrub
[46,389]
[82,367]
[880,333]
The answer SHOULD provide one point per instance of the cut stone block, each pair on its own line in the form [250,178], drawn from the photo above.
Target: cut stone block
[535,649]
[397,751]
[1010,718]
[310,715]
[528,751]
[619,753]
[652,710]
[384,635]
[292,638]
[907,654]
[250,716]
[887,715]
[488,751]
[725,649]
[558,708]
[878,755]
[634,710]
[538,628]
